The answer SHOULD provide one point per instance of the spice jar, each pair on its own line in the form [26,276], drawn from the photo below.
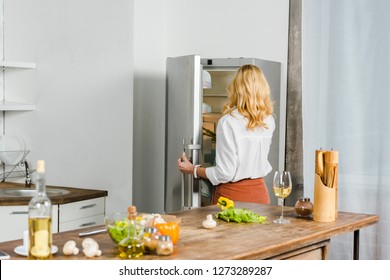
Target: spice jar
[169,228]
[303,207]
[150,239]
[164,245]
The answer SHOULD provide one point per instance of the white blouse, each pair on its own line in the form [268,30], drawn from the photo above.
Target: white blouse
[240,153]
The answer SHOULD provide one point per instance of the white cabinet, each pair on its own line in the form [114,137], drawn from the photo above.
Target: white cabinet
[81,214]
[75,215]
[7,104]
[14,220]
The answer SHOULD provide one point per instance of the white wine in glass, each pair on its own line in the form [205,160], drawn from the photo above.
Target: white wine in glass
[282,186]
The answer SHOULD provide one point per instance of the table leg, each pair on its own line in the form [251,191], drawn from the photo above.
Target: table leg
[356,244]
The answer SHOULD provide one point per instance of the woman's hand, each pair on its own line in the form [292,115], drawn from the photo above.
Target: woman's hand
[184,165]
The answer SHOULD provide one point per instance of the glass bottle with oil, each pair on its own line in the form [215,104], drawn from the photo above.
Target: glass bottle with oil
[39,219]
[132,247]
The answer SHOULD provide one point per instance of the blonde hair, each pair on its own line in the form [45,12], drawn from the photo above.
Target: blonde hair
[249,93]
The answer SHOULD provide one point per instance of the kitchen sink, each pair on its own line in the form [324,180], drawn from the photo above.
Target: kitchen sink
[30,192]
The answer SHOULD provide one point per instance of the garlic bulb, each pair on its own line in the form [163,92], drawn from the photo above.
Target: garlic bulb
[209,222]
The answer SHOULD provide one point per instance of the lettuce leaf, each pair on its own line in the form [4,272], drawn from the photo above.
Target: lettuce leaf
[241,215]
[119,231]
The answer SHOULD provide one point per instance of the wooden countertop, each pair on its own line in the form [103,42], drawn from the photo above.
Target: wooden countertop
[227,240]
[75,194]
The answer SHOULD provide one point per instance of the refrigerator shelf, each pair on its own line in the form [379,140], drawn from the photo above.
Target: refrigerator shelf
[223,94]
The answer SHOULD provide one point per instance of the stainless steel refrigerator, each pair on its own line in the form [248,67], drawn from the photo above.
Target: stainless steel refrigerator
[195,95]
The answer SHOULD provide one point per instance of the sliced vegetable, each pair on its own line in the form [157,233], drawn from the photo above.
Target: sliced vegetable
[241,215]
[119,231]
[122,229]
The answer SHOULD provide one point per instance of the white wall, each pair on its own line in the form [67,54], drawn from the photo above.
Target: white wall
[82,87]
[218,28]
[228,28]
[149,104]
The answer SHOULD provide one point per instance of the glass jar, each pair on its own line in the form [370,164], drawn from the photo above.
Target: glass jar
[150,239]
[170,228]
[132,246]
[303,207]
[164,245]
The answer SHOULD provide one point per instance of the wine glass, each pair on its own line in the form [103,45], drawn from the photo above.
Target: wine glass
[282,188]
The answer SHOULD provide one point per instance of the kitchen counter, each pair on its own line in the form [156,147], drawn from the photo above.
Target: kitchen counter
[75,194]
[73,208]
[302,239]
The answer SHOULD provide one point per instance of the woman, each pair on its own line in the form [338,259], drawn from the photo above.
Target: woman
[244,135]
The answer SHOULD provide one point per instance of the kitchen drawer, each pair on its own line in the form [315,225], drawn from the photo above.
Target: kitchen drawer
[317,251]
[81,209]
[14,220]
[82,223]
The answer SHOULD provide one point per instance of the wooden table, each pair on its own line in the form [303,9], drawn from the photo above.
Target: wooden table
[302,239]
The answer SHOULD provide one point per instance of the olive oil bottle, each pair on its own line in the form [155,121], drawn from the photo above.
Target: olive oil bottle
[132,247]
[39,219]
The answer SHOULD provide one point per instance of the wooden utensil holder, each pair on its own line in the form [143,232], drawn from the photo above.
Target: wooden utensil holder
[325,202]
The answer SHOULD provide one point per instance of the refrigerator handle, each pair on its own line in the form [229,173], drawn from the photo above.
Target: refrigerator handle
[187,181]
[193,147]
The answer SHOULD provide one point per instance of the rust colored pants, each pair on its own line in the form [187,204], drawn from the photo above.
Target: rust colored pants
[247,190]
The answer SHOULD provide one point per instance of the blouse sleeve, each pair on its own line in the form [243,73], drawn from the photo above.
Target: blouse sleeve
[226,155]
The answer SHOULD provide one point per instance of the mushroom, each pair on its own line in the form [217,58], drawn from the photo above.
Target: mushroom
[70,248]
[91,248]
[209,222]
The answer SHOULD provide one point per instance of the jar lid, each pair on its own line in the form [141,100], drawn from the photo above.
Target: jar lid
[164,238]
[304,199]
[151,230]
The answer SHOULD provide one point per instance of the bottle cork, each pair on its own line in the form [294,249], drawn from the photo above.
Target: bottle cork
[132,209]
[41,166]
